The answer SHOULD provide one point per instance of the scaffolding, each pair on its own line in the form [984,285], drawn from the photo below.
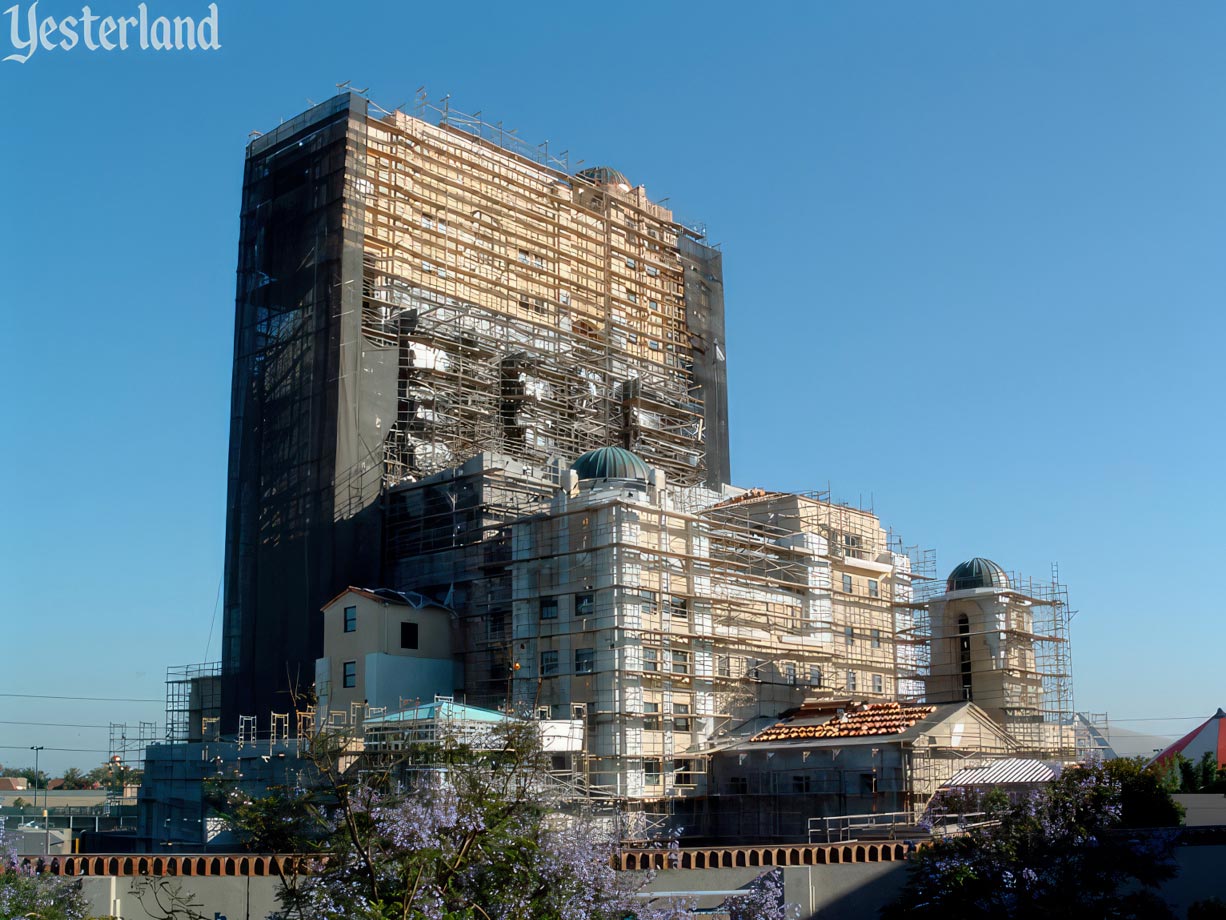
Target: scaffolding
[1093,737]
[1031,687]
[193,702]
[671,618]
[529,311]
[126,758]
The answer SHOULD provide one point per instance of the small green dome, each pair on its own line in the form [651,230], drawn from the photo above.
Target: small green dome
[610,463]
[977,573]
[604,175]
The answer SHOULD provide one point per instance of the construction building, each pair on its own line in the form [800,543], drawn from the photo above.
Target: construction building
[662,616]
[411,294]
[479,462]
[828,763]
[1002,642]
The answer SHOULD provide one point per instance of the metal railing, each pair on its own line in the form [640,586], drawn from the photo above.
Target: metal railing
[890,824]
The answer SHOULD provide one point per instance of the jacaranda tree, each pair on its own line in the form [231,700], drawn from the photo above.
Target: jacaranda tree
[1070,851]
[23,894]
[452,831]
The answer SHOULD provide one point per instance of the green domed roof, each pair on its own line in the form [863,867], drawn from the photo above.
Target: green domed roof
[610,463]
[977,573]
[604,175]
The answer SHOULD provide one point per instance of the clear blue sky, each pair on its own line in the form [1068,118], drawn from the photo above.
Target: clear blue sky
[975,259]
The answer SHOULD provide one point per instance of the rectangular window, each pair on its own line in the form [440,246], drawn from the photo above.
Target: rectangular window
[847,584]
[815,675]
[878,684]
[681,717]
[738,785]
[723,665]
[802,783]
[873,588]
[549,663]
[647,604]
[549,608]
[351,619]
[585,660]
[651,716]
[651,659]
[585,605]
[408,635]
[683,772]
[849,635]
[678,608]
[681,662]
[851,681]
[651,771]
[350,674]
[876,641]
[789,672]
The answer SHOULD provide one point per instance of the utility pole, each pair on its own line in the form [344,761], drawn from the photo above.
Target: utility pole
[36,749]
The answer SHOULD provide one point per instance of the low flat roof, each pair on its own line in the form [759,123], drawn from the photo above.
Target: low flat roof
[440,709]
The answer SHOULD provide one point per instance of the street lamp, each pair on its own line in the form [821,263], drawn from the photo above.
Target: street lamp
[36,749]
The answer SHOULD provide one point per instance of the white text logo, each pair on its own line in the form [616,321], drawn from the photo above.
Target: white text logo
[28,33]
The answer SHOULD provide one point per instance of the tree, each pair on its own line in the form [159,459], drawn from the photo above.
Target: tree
[75,779]
[464,829]
[112,776]
[1145,795]
[34,778]
[1067,852]
[24,894]
[1201,776]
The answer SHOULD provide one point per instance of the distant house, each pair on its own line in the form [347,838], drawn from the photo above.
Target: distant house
[381,649]
[13,784]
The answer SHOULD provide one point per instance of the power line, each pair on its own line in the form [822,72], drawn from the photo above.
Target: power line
[90,699]
[1161,719]
[55,724]
[19,747]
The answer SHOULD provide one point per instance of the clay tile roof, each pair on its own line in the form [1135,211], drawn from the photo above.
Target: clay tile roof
[874,719]
[748,496]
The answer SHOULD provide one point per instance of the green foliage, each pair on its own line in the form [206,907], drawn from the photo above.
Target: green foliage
[75,779]
[1145,796]
[456,830]
[26,895]
[1084,848]
[32,778]
[995,802]
[1202,776]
